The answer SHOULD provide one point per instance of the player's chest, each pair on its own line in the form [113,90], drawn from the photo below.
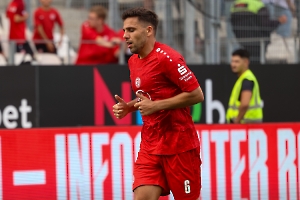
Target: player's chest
[148,76]
[47,17]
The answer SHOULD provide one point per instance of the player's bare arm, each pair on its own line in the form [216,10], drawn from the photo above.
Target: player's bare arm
[184,99]
[62,32]
[121,109]
[19,18]
[245,101]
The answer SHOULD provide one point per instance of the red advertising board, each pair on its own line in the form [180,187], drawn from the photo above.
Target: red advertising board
[239,162]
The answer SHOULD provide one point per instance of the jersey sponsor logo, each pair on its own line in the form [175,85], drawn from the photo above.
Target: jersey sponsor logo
[52,16]
[13,9]
[182,69]
[138,82]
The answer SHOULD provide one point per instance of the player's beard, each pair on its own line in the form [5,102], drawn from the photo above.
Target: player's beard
[138,47]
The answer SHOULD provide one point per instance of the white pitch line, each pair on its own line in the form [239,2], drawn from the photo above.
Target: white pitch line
[29,177]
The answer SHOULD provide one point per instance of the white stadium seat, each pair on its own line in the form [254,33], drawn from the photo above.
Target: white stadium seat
[48,59]
[2,61]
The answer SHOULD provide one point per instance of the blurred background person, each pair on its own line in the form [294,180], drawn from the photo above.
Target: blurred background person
[245,104]
[99,43]
[45,17]
[250,20]
[17,16]
[126,51]
[278,8]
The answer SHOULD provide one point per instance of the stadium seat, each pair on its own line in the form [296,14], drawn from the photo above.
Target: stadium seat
[281,49]
[48,59]
[62,50]
[2,61]
[19,57]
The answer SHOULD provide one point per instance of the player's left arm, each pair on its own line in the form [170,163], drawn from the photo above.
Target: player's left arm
[176,70]
[246,94]
[184,99]
[245,101]
[61,27]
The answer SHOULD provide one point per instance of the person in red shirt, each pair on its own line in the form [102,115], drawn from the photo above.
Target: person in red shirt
[17,16]
[99,43]
[45,18]
[169,156]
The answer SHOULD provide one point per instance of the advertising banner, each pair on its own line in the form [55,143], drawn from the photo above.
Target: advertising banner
[59,96]
[18,97]
[88,163]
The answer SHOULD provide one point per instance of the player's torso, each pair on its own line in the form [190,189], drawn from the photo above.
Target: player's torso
[17,30]
[163,132]
[90,52]
[148,77]
[48,19]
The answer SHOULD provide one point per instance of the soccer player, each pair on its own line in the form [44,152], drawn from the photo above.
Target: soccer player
[98,40]
[45,18]
[169,151]
[17,16]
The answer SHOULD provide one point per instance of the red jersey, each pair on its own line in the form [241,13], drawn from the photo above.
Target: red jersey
[47,19]
[160,75]
[91,53]
[17,29]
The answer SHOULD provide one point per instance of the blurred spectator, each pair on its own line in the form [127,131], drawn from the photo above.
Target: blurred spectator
[250,20]
[245,103]
[282,7]
[17,16]
[126,50]
[45,18]
[99,43]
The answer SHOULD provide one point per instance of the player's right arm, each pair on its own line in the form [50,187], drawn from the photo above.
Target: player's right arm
[121,109]
[19,18]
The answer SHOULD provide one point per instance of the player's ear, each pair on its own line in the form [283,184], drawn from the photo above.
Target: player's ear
[149,30]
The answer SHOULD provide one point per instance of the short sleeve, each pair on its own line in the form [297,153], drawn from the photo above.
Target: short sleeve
[176,70]
[11,11]
[59,19]
[88,33]
[247,85]
[37,20]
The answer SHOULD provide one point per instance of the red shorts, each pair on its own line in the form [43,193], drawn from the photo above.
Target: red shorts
[179,173]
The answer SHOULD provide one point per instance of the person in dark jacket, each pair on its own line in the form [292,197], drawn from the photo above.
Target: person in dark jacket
[251,22]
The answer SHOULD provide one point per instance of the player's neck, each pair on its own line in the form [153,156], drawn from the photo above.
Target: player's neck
[46,7]
[99,28]
[147,48]
[240,73]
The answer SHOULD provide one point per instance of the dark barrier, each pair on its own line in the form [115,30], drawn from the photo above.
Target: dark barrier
[18,97]
[48,96]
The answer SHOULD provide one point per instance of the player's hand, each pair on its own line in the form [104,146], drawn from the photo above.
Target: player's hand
[116,40]
[103,42]
[50,47]
[145,105]
[25,15]
[121,109]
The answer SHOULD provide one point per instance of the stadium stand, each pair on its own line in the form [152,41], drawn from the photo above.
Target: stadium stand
[74,12]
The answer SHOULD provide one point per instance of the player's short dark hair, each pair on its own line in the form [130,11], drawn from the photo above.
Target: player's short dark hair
[243,53]
[100,11]
[143,15]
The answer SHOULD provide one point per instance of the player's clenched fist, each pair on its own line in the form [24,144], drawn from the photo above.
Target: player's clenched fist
[120,109]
